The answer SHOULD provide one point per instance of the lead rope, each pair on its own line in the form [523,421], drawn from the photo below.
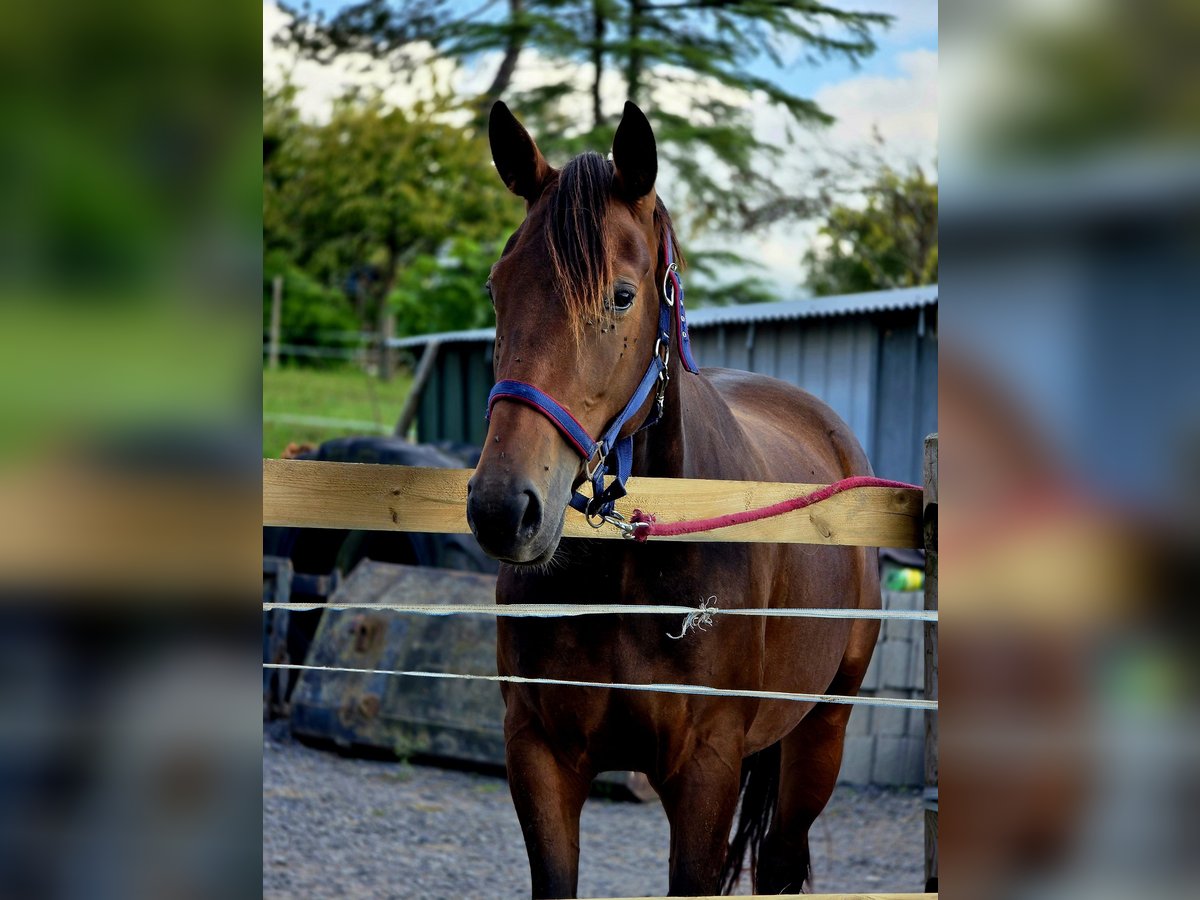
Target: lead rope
[643,526]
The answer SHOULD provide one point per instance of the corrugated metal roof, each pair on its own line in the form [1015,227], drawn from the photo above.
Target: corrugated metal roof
[843,305]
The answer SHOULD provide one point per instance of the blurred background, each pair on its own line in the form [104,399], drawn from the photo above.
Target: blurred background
[1070,404]
[129,404]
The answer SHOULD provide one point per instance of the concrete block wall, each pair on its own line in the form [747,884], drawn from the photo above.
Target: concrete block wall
[886,746]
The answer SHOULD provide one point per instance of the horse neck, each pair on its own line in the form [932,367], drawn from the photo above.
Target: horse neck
[662,450]
[695,423]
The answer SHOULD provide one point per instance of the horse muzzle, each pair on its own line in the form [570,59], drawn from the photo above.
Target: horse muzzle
[512,519]
[506,517]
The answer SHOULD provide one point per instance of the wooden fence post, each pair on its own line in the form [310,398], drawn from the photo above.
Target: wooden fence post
[276,318]
[929,516]
[413,400]
[387,330]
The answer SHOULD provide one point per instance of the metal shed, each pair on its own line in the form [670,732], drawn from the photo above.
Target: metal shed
[872,357]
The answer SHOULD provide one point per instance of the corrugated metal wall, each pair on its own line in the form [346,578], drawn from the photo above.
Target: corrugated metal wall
[454,404]
[877,370]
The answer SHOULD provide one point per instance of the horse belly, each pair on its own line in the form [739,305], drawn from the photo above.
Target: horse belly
[620,729]
[806,655]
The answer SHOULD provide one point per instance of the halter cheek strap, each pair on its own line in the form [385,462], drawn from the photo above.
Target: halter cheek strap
[672,280]
[612,453]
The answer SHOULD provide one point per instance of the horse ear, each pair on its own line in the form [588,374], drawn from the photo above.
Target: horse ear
[635,155]
[518,160]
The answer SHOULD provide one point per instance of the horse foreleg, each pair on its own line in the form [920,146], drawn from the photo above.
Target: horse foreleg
[548,797]
[700,798]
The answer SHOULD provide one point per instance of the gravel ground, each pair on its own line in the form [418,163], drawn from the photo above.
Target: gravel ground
[341,827]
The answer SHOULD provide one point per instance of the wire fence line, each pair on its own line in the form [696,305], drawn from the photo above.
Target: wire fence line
[664,688]
[537,610]
[323,422]
[554,610]
[316,352]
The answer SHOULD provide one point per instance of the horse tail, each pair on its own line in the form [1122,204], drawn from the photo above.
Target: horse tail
[759,793]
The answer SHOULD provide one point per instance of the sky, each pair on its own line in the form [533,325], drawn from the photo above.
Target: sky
[894,91]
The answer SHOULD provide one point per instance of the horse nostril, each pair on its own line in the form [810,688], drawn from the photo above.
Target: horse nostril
[531,519]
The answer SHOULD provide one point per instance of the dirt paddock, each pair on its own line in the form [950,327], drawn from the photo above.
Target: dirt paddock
[342,827]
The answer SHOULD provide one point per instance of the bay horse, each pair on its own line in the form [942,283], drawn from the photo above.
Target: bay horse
[582,292]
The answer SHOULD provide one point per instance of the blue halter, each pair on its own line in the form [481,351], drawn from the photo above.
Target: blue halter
[612,453]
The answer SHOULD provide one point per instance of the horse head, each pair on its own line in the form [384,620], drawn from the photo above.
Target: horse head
[577,299]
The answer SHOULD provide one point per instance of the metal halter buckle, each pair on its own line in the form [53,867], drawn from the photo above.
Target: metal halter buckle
[662,349]
[660,397]
[590,470]
[669,295]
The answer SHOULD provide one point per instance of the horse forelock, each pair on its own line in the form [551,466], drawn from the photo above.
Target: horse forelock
[577,236]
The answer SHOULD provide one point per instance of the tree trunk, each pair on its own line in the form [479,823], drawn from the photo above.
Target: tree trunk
[633,71]
[598,24]
[508,65]
[387,331]
[385,319]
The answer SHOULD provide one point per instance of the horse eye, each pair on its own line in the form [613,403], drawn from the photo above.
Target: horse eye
[487,286]
[623,298]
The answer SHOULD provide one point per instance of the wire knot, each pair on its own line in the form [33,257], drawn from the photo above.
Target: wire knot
[698,619]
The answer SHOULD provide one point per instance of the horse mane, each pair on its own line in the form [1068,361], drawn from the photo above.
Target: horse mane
[577,237]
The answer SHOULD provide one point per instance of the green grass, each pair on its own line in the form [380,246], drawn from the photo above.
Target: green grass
[368,405]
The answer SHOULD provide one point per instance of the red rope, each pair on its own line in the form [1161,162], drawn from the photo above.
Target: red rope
[648,526]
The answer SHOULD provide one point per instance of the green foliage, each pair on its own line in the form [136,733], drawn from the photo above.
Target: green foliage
[356,201]
[716,289]
[445,292]
[311,313]
[891,241]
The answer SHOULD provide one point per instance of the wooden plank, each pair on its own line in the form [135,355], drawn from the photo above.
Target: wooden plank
[413,400]
[276,319]
[929,517]
[312,494]
[430,417]
[479,384]
[454,415]
[895,450]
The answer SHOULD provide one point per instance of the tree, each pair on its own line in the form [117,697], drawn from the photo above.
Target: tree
[313,314]
[889,241]
[445,292]
[728,175]
[356,201]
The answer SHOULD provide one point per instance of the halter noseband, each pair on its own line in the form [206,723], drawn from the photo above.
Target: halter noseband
[613,453]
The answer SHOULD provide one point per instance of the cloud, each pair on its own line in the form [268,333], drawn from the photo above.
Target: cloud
[904,108]
[914,19]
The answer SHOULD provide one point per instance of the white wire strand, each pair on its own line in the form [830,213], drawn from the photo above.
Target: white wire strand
[697,689]
[551,610]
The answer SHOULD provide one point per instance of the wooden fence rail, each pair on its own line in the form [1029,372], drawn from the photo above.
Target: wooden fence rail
[314,494]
